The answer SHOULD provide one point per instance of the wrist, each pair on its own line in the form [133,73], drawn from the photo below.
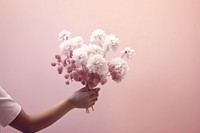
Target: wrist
[71,103]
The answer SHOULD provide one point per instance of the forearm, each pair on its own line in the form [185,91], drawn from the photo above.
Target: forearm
[48,117]
[33,123]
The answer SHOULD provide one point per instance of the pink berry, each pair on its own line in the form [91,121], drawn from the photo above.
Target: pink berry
[72,61]
[58,57]
[65,62]
[83,83]
[53,64]
[60,69]
[66,76]
[76,78]
[80,79]
[71,75]
[91,85]
[95,81]
[59,72]
[74,74]
[69,69]
[73,65]
[67,82]
[103,81]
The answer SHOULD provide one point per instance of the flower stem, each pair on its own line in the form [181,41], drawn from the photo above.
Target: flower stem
[100,44]
[87,109]
[123,55]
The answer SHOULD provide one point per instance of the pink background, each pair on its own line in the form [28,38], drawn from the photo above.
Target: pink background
[160,93]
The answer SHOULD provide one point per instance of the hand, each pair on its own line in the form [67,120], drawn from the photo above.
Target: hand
[84,98]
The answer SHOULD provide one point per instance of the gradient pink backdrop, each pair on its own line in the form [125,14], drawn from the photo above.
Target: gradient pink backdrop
[161,92]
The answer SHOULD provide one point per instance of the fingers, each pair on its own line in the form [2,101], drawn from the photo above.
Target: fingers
[85,97]
[93,91]
[93,96]
[93,102]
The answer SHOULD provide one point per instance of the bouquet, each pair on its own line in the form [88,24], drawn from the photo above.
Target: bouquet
[87,63]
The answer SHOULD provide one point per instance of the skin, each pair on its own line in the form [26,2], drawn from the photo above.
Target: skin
[32,123]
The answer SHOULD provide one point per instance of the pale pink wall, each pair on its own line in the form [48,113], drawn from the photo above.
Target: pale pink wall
[161,92]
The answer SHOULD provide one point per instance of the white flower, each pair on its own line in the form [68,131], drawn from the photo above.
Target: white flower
[97,64]
[119,63]
[80,56]
[76,42]
[97,36]
[64,47]
[111,43]
[128,52]
[64,35]
[87,63]
[94,49]
[118,68]
[68,46]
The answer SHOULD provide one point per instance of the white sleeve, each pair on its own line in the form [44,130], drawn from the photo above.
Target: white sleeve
[9,109]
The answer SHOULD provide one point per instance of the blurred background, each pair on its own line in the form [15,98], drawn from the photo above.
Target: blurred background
[161,91]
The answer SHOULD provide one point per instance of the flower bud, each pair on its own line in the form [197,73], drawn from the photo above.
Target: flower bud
[72,61]
[83,83]
[103,81]
[58,57]
[60,69]
[66,76]
[67,82]
[69,69]
[65,62]
[53,64]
